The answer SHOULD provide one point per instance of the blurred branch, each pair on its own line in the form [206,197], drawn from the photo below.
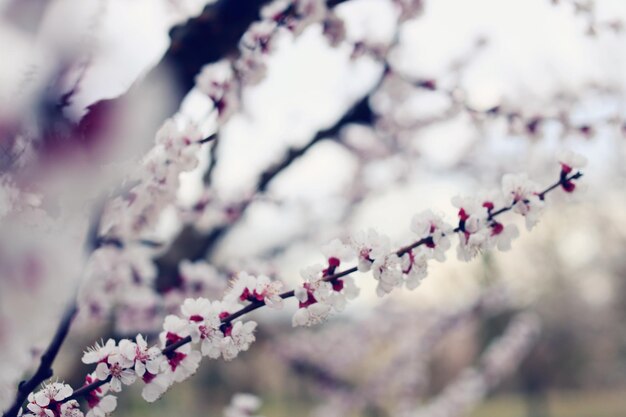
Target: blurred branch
[44,371]
[190,245]
[211,36]
[360,112]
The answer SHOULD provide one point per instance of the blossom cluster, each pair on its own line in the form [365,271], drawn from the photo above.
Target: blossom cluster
[121,275]
[477,231]
[221,82]
[203,328]
[133,214]
[48,402]
[136,210]
[200,323]
[214,328]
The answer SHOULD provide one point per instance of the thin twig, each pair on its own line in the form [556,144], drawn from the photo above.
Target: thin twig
[208,175]
[44,371]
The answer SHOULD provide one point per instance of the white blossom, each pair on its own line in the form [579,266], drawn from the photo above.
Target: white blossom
[386,270]
[218,82]
[570,160]
[336,249]
[310,315]
[295,15]
[246,287]
[370,246]
[141,357]
[523,195]
[238,338]
[117,369]
[181,145]
[99,352]
[156,386]
[99,401]
[42,403]
[428,225]
[71,409]
[414,267]
[183,361]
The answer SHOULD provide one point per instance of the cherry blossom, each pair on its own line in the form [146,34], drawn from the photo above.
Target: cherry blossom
[99,352]
[182,362]
[295,15]
[181,144]
[247,287]
[310,314]
[207,319]
[477,231]
[502,235]
[237,338]
[204,324]
[569,161]
[156,386]
[334,29]
[370,246]
[428,225]
[336,251]
[100,403]
[523,195]
[142,358]
[71,409]
[344,289]
[48,401]
[200,313]
[414,267]
[387,271]
[314,298]
[116,370]
[111,366]
[218,82]
[243,405]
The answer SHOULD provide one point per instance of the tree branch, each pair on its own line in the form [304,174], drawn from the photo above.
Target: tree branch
[360,112]
[44,371]
[197,246]
[255,305]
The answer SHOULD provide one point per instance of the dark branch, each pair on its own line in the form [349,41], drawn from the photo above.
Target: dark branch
[213,159]
[209,37]
[360,112]
[195,247]
[212,137]
[44,371]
